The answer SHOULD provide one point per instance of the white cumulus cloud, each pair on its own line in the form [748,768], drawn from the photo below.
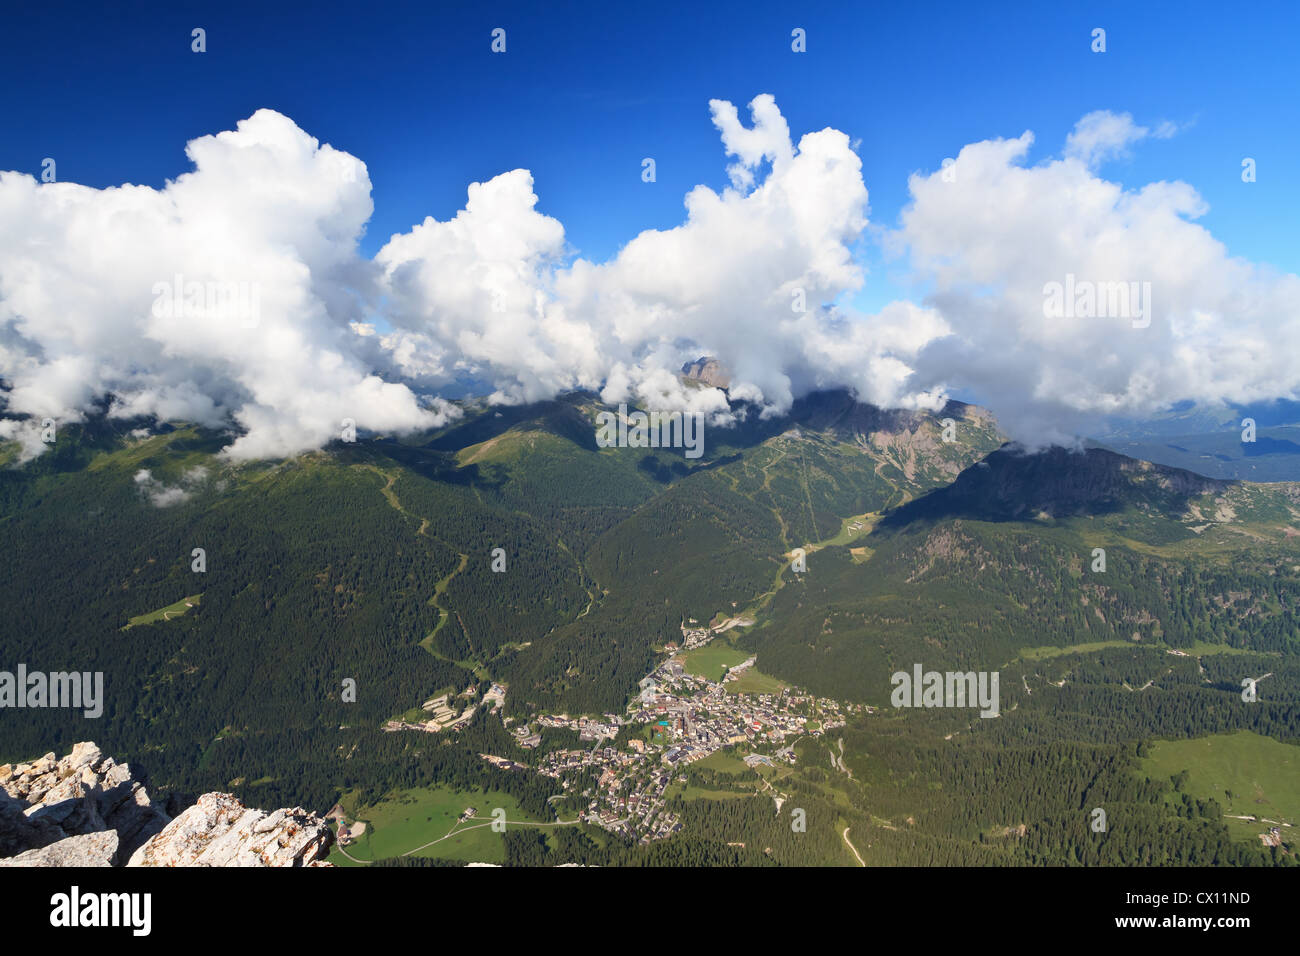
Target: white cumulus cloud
[87,306]
[235,295]
[993,237]
[745,277]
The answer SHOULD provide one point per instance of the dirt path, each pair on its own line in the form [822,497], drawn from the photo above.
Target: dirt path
[478,826]
[351,857]
[845,834]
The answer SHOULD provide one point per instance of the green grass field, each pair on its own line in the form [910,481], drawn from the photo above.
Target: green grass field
[1247,774]
[754,681]
[712,660]
[692,792]
[407,819]
[867,523]
[723,761]
[1042,653]
[164,613]
[1198,649]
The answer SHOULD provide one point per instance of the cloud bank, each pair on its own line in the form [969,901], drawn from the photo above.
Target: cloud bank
[86,310]
[995,233]
[236,295]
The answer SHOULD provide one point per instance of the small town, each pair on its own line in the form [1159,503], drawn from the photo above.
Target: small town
[678,718]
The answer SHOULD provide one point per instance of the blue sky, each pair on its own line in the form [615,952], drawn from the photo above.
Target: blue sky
[585,91]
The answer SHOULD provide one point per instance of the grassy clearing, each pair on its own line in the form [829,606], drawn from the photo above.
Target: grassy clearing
[1220,542]
[866,524]
[407,819]
[167,613]
[1249,775]
[712,660]
[1042,653]
[723,761]
[753,681]
[690,792]
[1198,649]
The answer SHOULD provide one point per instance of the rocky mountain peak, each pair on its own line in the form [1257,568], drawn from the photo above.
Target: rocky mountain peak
[708,371]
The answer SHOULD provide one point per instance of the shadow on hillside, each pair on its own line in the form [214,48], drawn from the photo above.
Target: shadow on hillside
[440,466]
[1010,485]
[1263,445]
[560,418]
[665,474]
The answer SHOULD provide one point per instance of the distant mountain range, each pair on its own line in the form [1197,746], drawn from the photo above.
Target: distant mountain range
[1209,441]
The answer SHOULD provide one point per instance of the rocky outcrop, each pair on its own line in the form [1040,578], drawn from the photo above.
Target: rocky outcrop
[84,793]
[90,849]
[707,370]
[221,831]
[18,832]
[88,810]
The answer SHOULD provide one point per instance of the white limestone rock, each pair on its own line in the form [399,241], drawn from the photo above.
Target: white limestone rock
[84,793]
[221,831]
[87,810]
[88,849]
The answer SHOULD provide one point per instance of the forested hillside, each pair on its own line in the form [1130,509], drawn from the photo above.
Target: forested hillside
[509,548]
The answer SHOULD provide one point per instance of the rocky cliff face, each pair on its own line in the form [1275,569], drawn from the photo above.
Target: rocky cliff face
[221,831]
[707,370]
[88,810]
[48,801]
